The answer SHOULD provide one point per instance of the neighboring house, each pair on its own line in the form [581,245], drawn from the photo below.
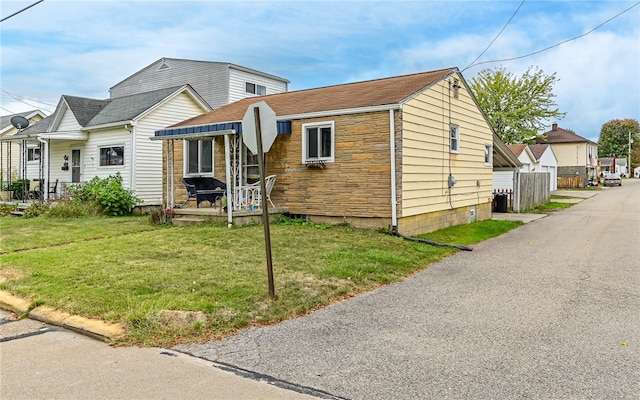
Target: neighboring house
[504,180]
[85,137]
[545,161]
[217,83]
[413,152]
[11,156]
[535,159]
[605,165]
[577,156]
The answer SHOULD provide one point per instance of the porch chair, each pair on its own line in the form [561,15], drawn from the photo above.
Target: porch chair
[53,189]
[269,182]
[37,191]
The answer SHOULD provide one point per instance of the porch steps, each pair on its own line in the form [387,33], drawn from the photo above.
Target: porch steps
[184,220]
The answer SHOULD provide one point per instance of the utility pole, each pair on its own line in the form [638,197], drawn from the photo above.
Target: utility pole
[629,157]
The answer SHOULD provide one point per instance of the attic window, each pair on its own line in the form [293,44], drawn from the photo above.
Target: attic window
[254,88]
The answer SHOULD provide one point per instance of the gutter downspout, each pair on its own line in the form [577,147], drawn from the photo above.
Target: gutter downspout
[394,199]
[131,153]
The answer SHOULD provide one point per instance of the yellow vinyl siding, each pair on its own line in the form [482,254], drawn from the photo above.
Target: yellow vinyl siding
[426,160]
[571,154]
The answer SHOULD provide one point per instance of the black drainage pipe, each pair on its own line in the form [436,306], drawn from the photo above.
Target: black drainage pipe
[455,246]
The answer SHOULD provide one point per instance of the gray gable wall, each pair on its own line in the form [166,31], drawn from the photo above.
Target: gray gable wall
[209,79]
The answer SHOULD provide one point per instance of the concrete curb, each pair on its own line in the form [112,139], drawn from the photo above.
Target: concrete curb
[97,329]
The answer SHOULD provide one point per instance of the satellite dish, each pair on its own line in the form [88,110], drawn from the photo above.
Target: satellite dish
[19,122]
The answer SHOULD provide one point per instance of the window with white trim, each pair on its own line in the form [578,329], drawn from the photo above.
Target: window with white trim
[454,138]
[33,154]
[113,155]
[254,88]
[318,142]
[488,154]
[199,157]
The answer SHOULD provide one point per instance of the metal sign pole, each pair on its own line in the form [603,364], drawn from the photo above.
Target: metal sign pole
[263,201]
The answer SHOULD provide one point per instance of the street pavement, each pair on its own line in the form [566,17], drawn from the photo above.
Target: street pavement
[547,311]
[550,310]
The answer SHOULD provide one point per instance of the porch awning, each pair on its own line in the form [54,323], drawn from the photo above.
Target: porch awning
[200,131]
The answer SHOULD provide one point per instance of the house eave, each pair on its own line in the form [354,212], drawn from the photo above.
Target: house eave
[79,135]
[346,111]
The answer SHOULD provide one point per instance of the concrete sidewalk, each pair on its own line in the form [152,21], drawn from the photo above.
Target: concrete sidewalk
[526,218]
[43,361]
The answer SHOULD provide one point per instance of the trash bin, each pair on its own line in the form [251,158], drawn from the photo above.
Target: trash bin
[501,202]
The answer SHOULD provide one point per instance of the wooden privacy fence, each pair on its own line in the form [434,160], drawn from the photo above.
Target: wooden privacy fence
[570,182]
[533,190]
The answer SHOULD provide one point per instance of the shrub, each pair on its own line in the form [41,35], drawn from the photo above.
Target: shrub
[108,193]
[36,209]
[6,209]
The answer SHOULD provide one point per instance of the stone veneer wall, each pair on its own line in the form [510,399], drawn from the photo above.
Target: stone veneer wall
[430,222]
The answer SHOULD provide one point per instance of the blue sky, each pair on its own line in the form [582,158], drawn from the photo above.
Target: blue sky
[83,48]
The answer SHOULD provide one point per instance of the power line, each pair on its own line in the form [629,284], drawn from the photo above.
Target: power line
[18,12]
[32,105]
[497,36]
[560,43]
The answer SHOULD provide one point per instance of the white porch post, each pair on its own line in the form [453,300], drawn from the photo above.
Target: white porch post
[227,155]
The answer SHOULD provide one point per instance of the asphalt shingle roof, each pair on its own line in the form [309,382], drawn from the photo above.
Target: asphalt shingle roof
[372,93]
[560,135]
[128,107]
[5,120]
[538,150]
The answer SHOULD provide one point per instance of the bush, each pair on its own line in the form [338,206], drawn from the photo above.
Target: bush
[36,209]
[7,209]
[66,207]
[108,193]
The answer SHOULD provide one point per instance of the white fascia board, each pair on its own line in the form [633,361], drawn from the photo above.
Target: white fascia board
[77,135]
[107,126]
[346,111]
[62,105]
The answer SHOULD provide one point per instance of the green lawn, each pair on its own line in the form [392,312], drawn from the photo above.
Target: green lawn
[126,270]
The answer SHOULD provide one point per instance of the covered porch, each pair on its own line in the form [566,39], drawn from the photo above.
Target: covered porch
[237,197]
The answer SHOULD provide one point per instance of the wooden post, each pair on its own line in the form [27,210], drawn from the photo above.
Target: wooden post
[263,199]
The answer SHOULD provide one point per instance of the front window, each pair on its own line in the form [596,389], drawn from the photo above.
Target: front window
[111,156]
[318,142]
[199,156]
[33,154]
[454,138]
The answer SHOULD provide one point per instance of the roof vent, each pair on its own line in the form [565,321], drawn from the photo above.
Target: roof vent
[164,66]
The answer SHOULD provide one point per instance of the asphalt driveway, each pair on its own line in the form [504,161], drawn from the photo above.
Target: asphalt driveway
[549,310]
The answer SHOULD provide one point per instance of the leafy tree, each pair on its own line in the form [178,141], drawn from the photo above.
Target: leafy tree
[517,107]
[614,139]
